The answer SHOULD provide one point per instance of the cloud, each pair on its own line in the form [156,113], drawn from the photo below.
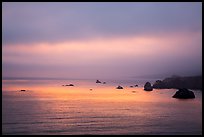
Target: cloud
[110,57]
[101,39]
[57,22]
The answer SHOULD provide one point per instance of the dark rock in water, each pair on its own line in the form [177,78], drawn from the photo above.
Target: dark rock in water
[136,85]
[23,90]
[148,86]
[131,86]
[90,89]
[184,93]
[97,81]
[69,85]
[104,82]
[119,87]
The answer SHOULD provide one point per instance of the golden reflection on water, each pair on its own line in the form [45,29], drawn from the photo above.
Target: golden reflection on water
[99,92]
[42,89]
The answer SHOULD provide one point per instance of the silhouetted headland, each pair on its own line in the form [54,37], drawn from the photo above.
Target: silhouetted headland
[193,82]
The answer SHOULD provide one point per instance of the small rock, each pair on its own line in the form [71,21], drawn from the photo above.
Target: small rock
[119,87]
[69,85]
[97,81]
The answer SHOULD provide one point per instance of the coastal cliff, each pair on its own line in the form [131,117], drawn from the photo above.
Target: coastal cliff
[192,82]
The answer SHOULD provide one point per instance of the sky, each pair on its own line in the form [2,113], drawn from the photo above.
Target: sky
[101,40]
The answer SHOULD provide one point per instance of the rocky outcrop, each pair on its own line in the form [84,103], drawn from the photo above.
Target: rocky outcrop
[136,85]
[119,87]
[148,86]
[159,84]
[69,85]
[179,82]
[97,81]
[184,93]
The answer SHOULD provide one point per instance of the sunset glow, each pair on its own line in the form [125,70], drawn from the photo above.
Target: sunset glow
[102,68]
[94,51]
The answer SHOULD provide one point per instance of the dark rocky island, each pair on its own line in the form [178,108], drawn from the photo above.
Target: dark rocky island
[97,81]
[69,85]
[136,85]
[184,93]
[148,86]
[119,87]
[193,82]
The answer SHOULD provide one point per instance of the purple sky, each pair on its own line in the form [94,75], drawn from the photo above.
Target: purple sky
[101,40]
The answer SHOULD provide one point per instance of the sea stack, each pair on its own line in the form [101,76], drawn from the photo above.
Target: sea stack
[184,93]
[148,87]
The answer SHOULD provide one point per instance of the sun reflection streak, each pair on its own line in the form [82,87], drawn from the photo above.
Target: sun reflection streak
[104,93]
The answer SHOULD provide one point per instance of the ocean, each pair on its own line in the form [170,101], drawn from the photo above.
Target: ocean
[90,108]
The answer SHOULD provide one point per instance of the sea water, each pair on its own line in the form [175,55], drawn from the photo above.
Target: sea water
[88,108]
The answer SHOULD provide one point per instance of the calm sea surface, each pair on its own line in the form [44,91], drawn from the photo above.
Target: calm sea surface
[47,107]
